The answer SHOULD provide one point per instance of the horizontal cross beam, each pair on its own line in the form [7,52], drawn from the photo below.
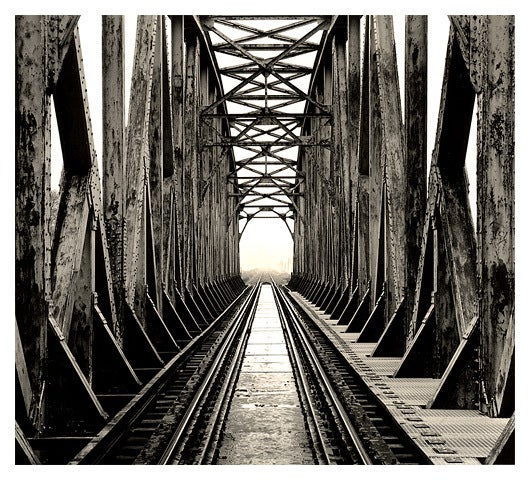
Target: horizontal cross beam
[298,143]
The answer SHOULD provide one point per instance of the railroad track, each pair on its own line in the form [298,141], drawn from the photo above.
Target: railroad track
[196,438]
[141,431]
[367,432]
[180,418]
[333,436]
[344,422]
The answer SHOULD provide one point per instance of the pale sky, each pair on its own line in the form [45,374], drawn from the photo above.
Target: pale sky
[266,243]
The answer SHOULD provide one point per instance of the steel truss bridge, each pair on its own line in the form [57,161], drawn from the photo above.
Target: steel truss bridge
[237,118]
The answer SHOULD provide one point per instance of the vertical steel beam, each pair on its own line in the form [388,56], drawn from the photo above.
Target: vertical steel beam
[138,147]
[342,149]
[170,268]
[113,105]
[189,137]
[375,170]
[177,91]
[156,161]
[32,199]
[493,52]
[354,115]
[393,156]
[364,150]
[327,159]
[415,148]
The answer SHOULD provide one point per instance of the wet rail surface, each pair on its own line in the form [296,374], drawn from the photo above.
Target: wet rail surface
[263,387]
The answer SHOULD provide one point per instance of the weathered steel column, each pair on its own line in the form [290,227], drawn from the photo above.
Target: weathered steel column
[494,52]
[113,113]
[415,149]
[324,212]
[32,205]
[354,116]
[375,170]
[363,152]
[156,182]
[170,247]
[299,231]
[189,137]
[177,90]
[393,157]
[342,150]
[138,147]
[204,167]
[327,160]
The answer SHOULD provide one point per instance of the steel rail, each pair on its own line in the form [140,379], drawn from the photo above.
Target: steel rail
[206,384]
[317,438]
[325,381]
[222,403]
[98,448]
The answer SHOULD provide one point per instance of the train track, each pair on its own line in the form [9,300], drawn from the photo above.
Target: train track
[333,436]
[181,419]
[141,431]
[344,421]
[365,424]
[196,439]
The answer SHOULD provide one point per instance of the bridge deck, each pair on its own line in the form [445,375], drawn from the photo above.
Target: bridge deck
[446,436]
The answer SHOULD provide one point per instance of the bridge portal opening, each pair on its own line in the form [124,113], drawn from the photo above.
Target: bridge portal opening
[266,247]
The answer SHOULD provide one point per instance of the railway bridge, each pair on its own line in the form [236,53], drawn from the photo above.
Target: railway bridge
[137,340]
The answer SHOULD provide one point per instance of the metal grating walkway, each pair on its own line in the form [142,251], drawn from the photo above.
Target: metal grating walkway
[446,436]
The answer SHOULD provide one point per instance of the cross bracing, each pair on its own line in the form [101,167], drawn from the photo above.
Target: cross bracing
[266,65]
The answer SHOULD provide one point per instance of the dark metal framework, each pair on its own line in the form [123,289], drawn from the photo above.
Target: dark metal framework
[267,61]
[132,268]
[404,267]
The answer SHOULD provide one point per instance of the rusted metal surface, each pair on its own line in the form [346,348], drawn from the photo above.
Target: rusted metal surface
[68,279]
[353,130]
[415,124]
[177,96]
[156,137]
[426,248]
[189,153]
[32,201]
[363,197]
[393,161]
[69,240]
[113,201]
[494,54]
[342,155]
[445,281]
[375,189]
[138,147]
